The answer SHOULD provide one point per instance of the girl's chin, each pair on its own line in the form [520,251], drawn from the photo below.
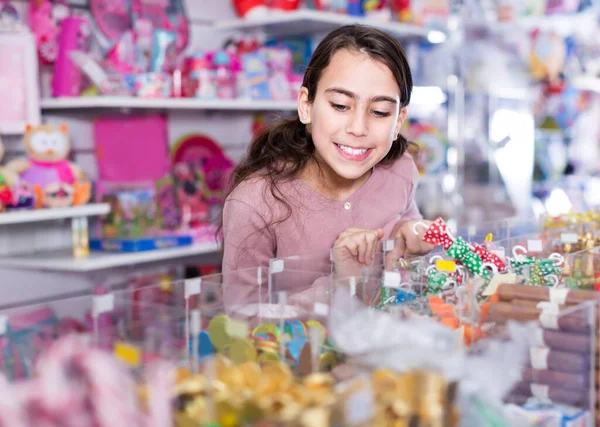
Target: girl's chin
[351,173]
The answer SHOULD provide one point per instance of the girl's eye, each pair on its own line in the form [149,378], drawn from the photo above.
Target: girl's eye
[380,114]
[339,107]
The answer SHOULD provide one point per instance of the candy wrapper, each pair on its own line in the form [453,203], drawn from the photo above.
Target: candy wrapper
[376,340]
[476,258]
[76,386]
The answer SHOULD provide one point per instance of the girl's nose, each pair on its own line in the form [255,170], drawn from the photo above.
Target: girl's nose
[358,125]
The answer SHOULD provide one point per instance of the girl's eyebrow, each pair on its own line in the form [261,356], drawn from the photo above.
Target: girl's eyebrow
[349,94]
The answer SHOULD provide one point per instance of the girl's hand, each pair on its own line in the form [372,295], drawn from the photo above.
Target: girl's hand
[359,242]
[407,242]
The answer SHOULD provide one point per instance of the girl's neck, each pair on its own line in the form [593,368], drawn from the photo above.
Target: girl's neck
[325,181]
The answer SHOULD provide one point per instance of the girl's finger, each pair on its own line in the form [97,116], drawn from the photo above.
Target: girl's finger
[362,247]
[371,246]
[352,246]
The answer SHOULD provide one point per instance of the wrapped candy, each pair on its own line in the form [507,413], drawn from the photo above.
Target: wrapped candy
[436,280]
[460,250]
[489,258]
[437,234]
[519,266]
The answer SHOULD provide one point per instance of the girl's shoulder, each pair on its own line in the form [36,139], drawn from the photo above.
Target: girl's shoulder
[260,195]
[403,167]
[251,191]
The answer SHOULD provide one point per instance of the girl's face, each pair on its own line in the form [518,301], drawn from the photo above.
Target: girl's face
[355,114]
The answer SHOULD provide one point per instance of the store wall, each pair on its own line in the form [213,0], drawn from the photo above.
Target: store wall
[232,130]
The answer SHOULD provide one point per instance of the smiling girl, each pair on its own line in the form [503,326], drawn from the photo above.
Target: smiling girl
[338,175]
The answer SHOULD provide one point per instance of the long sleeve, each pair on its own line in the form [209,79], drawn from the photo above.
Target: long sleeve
[247,245]
[247,240]
[412,213]
[412,210]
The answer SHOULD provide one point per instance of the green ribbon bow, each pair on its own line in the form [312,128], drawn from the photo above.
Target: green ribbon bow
[518,266]
[541,270]
[460,251]
[435,281]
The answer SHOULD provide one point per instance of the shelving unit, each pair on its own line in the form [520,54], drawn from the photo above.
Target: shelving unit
[39,215]
[13,128]
[422,95]
[64,262]
[305,21]
[108,102]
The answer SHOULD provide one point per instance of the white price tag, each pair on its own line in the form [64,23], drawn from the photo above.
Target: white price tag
[192,287]
[559,295]
[276,266]
[321,309]
[103,304]
[569,238]
[391,279]
[388,245]
[539,357]
[540,392]
[534,246]
[497,280]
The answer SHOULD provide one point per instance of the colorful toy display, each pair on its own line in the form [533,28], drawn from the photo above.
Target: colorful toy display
[432,146]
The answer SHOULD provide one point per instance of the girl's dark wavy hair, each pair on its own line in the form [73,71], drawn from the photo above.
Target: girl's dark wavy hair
[282,150]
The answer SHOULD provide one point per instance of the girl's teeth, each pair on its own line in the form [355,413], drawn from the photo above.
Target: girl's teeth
[352,151]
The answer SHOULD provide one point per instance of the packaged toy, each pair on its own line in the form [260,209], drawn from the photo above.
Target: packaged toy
[45,19]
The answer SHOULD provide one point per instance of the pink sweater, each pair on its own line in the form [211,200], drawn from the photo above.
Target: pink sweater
[251,238]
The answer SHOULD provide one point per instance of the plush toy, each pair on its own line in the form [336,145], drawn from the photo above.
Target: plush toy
[56,181]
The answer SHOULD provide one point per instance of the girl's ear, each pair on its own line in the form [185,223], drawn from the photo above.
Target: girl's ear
[400,121]
[304,106]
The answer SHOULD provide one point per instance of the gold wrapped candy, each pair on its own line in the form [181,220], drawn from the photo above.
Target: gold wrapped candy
[247,393]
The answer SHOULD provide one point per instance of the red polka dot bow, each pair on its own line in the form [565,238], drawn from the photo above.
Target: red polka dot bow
[437,234]
[489,257]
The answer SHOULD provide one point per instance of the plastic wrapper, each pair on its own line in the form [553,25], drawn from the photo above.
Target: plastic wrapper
[375,339]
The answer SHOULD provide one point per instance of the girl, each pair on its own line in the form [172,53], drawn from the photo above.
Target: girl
[338,175]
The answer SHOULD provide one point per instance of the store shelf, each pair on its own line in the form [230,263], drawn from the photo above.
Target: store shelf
[97,261]
[562,23]
[12,128]
[103,102]
[310,22]
[422,95]
[38,215]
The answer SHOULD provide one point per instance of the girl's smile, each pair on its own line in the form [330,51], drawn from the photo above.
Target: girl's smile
[356,154]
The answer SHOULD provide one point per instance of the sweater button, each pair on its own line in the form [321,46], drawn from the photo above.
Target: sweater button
[347,206]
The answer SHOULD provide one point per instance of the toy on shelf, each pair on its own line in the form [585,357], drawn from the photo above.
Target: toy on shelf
[10,19]
[55,181]
[431,146]
[192,195]
[133,213]
[250,8]
[7,179]
[45,18]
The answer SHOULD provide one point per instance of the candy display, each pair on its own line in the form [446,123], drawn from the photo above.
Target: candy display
[316,400]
